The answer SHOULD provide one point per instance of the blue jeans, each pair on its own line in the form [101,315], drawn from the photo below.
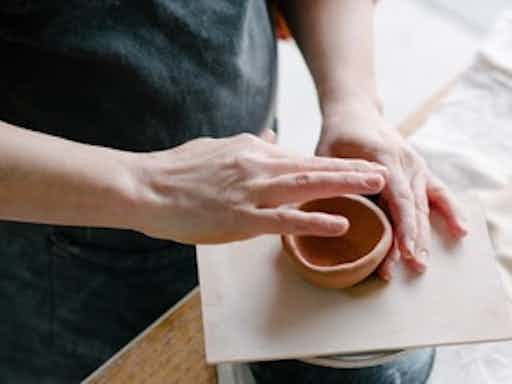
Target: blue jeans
[412,369]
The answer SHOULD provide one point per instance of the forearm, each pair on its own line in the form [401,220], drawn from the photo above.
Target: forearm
[204,191]
[336,40]
[49,180]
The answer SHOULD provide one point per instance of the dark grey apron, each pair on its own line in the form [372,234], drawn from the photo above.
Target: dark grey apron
[129,74]
[136,75]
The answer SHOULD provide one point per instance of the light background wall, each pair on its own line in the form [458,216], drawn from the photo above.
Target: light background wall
[420,46]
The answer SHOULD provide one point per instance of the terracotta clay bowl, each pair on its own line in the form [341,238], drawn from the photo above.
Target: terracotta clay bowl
[342,261]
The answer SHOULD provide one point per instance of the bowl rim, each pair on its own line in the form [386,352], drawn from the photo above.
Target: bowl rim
[289,241]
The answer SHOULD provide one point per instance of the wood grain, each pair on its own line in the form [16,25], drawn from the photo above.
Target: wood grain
[169,351]
[172,349]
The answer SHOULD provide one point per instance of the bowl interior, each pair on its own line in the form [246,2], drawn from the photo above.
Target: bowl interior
[365,232]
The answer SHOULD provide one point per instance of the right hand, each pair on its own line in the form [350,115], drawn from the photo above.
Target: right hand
[220,190]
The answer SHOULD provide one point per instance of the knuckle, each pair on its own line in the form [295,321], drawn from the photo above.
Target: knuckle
[260,194]
[291,223]
[422,207]
[243,161]
[281,219]
[403,196]
[349,177]
[355,181]
[302,179]
[234,198]
[360,181]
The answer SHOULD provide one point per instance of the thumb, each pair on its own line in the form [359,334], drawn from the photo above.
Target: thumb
[268,135]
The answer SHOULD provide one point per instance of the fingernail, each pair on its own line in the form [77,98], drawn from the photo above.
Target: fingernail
[423,256]
[463,229]
[385,273]
[421,260]
[409,254]
[375,182]
[339,225]
[420,267]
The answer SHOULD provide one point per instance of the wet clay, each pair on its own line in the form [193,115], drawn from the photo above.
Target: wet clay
[365,232]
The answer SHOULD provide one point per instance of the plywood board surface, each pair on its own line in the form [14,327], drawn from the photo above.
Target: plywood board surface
[255,307]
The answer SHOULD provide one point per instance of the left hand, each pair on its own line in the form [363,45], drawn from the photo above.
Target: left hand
[357,130]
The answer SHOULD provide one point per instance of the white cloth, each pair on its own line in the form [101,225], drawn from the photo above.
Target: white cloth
[468,143]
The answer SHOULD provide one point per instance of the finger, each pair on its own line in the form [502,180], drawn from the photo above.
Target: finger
[442,200]
[268,136]
[299,187]
[400,199]
[422,241]
[385,269]
[294,221]
[294,163]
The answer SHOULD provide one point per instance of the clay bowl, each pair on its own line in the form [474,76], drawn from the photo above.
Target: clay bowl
[342,261]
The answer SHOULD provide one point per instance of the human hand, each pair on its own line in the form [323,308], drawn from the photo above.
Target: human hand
[219,190]
[357,130]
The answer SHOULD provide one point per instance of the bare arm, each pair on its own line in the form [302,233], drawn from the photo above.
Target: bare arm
[50,180]
[204,191]
[336,39]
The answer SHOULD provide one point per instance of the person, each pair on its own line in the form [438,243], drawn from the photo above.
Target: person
[133,130]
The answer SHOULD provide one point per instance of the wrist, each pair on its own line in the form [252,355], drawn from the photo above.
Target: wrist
[130,189]
[148,189]
[345,96]
[339,113]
